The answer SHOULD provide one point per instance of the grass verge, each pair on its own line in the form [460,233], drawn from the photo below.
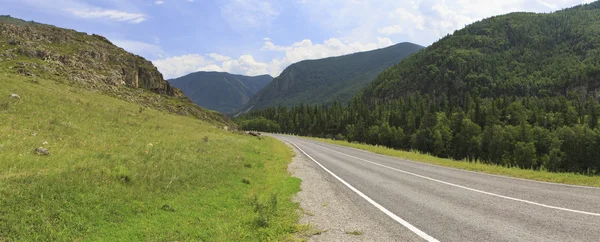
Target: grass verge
[565,178]
[117,172]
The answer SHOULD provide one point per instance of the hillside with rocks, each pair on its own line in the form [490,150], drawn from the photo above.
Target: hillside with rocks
[37,50]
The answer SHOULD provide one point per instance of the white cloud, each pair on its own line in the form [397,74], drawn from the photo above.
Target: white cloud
[218,57]
[354,25]
[248,65]
[244,15]
[180,65]
[159,2]
[211,67]
[405,17]
[419,21]
[269,46]
[115,15]
[391,30]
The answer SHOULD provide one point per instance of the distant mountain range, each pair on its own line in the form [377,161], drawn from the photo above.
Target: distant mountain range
[328,80]
[220,91]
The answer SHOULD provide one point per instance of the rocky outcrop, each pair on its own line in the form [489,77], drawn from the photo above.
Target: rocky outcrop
[87,59]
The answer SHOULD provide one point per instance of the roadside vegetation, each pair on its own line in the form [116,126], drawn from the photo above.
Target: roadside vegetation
[538,175]
[119,171]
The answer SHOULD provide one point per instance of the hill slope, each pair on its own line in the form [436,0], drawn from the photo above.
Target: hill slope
[92,62]
[520,54]
[220,91]
[330,79]
[117,171]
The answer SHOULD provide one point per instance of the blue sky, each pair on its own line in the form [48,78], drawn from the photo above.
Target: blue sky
[253,37]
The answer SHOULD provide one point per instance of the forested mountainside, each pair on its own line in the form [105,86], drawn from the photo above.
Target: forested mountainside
[220,91]
[519,54]
[330,79]
[37,50]
[515,90]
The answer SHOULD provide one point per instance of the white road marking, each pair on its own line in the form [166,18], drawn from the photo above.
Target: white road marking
[468,171]
[467,188]
[377,205]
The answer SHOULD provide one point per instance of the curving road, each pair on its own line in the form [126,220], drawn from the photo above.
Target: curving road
[437,203]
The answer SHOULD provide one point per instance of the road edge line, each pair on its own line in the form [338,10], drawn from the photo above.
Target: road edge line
[468,188]
[393,216]
[459,169]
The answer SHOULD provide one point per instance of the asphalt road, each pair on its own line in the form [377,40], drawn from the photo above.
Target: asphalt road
[436,203]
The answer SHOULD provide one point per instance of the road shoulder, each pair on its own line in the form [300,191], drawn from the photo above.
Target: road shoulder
[330,212]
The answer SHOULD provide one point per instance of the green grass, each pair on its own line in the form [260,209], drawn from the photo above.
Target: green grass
[355,232]
[566,178]
[115,173]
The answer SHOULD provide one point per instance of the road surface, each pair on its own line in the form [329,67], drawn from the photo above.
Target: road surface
[436,203]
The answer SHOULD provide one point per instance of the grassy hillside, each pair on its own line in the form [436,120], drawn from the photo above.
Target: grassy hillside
[130,158]
[328,80]
[117,171]
[220,91]
[90,62]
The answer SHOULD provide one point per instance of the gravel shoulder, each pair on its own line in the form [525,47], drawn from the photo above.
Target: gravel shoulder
[334,213]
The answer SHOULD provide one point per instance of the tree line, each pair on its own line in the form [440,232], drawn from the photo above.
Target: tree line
[553,133]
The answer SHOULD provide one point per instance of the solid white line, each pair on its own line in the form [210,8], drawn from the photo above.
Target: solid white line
[377,205]
[466,188]
[463,170]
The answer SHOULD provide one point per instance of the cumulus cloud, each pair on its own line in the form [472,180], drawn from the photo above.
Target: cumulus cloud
[218,57]
[391,30]
[159,2]
[355,25]
[305,49]
[269,46]
[419,21]
[212,67]
[248,65]
[115,15]
[180,65]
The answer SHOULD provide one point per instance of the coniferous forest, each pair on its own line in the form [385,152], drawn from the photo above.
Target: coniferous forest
[515,90]
[551,133]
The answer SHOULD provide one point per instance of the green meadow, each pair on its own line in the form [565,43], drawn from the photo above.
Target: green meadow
[118,171]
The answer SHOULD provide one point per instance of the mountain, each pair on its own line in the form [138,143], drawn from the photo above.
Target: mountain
[330,79]
[92,62]
[220,91]
[517,90]
[518,54]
